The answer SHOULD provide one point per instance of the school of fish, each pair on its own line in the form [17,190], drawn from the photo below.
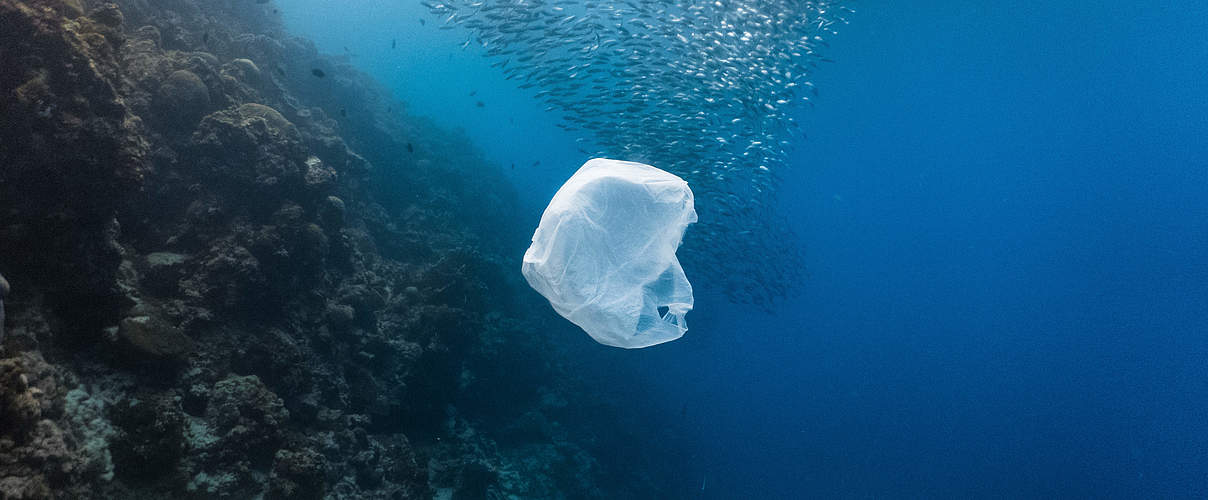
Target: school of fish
[706,90]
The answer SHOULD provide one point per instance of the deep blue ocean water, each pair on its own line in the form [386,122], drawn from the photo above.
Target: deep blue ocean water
[1004,208]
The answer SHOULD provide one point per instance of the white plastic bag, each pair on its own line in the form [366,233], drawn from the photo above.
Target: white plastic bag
[604,253]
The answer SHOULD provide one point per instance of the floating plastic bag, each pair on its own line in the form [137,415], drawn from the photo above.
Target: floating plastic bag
[604,253]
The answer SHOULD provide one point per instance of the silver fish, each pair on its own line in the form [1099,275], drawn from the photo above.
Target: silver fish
[706,90]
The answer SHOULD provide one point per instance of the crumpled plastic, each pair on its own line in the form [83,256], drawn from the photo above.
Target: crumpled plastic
[604,253]
[4,289]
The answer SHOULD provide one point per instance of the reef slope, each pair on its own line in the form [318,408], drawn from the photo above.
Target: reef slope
[232,278]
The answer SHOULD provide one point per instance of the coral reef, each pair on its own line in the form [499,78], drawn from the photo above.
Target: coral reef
[232,281]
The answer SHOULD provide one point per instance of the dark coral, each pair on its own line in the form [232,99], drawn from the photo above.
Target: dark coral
[298,475]
[227,288]
[39,456]
[150,436]
[72,152]
[183,97]
[248,419]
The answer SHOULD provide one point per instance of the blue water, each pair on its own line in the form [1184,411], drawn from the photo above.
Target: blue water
[1005,215]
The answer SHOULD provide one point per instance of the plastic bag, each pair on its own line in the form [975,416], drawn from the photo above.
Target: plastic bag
[604,253]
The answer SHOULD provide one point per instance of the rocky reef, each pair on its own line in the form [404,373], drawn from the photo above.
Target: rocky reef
[233,279]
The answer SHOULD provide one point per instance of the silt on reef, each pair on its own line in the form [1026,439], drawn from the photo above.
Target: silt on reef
[226,293]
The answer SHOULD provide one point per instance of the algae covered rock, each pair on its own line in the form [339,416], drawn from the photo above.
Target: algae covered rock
[227,277]
[243,70]
[249,417]
[297,475]
[107,14]
[151,337]
[251,147]
[278,325]
[19,409]
[150,437]
[276,124]
[318,174]
[69,8]
[331,212]
[183,97]
[163,271]
[71,153]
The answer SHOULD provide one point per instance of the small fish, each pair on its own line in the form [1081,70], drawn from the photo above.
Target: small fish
[473,93]
[343,113]
[480,104]
[538,162]
[281,70]
[422,23]
[410,148]
[650,79]
[318,72]
[513,165]
[389,108]
[205,37]
[393,43]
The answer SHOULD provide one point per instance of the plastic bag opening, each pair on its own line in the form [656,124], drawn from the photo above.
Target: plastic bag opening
[604,253]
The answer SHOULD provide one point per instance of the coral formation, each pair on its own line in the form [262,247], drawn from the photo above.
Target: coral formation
[229,289]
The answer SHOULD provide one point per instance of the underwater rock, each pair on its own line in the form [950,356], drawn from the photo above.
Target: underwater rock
[300,302]
[152,338]
[150,438]
[227,277]
[462,475]
[331,212]
[39,456]
[340,316]
[247,70]
[297,475]
[318,175]
[251,149]
[163,272]
[159,260]
[245,406]
[108,14]
[290,251]
[107,19]
[72,153]
[183,97]
[279,362]
[19,409]
[69,8]
[365,300]
[278,125]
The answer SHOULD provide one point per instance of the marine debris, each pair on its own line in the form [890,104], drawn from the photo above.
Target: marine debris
[4,290]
